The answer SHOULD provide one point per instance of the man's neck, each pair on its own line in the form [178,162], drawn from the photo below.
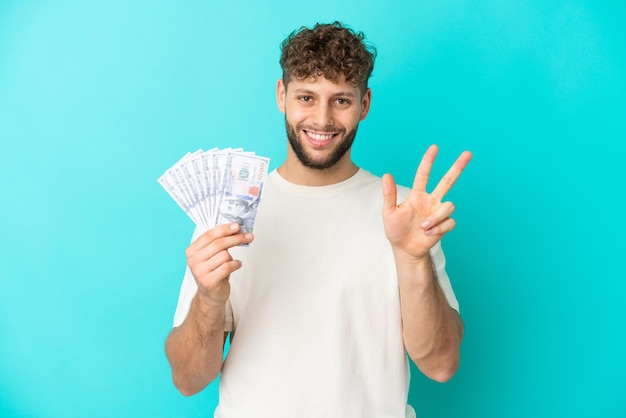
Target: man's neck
[295,172]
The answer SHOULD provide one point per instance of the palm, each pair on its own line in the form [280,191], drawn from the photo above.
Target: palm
[403,225]
[404,222]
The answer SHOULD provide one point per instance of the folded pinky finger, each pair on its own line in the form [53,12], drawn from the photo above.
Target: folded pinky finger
[441,214]
[441,228]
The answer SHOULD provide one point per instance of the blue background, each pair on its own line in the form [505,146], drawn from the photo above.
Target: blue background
[98,98]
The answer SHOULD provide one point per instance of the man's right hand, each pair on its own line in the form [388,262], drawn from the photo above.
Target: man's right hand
[211,263]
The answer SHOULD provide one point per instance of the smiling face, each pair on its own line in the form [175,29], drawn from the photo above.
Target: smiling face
[321,118]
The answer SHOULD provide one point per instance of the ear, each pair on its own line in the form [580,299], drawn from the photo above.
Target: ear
[365,103]
[281,91]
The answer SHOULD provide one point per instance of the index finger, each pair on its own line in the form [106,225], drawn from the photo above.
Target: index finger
[214,233]
[448,180]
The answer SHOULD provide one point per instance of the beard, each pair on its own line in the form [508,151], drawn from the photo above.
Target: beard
[307,160]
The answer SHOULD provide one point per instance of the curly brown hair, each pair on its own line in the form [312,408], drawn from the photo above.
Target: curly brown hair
[327,50]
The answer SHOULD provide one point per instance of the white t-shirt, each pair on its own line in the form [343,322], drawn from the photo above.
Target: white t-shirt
[314,311]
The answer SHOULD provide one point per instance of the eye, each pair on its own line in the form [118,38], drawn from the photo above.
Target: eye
[305,98]
[343,102]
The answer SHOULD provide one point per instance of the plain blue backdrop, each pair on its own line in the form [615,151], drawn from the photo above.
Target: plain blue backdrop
[98,98]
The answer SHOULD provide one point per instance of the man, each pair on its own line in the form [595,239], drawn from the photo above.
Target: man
[341,281]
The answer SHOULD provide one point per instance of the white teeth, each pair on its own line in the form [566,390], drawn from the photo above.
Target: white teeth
[320,137]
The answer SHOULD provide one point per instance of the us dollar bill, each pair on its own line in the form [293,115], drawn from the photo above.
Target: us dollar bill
[218,186]
[242,186]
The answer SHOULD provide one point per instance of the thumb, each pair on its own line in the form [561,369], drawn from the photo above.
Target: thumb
[390,194]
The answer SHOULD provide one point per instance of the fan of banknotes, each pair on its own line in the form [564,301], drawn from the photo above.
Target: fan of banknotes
[215,187]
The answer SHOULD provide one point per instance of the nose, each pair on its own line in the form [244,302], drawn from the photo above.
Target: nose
[322,115]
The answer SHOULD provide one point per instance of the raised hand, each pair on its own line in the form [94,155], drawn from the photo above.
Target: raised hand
[417,224]
[211,263]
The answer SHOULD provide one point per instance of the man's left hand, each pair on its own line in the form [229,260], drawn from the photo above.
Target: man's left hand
[417,224]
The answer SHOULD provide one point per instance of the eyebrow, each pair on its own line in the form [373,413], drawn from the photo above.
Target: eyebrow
[312,93]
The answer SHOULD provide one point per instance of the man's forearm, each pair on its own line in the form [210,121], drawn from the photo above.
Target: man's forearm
[195,348]
[432,330]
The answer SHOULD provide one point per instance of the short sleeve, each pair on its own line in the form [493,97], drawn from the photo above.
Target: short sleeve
[439,263]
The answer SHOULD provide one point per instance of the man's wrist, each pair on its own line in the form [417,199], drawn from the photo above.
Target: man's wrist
[208,307]
[415,271]
[403,257]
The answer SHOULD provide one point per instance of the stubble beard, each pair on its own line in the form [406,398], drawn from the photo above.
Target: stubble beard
[307,160]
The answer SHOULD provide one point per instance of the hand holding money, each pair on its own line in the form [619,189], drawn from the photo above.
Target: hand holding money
[211,263]
[221,191]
